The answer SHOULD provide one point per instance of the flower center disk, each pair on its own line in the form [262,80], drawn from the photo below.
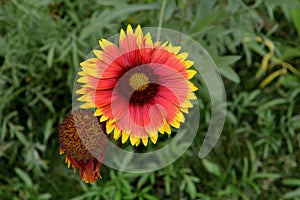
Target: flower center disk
[139,81]
[80,134]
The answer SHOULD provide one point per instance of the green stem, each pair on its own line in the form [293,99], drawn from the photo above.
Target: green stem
[183,16]
[161,18]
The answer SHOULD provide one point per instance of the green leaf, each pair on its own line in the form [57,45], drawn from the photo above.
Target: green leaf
[86,195]
[211,167]
[50,56]
[268,175]
[191,188]
[208,20]
[291,182]
[4,147]
[273,103]
[21,137]
[224,63]
[48,103]
[167,181]
[44,196]
[289,52]
[149,197]
[252,156]
[296,19]
[292,194]
[143,179]
[105,18]
[48,129]
[231,117]
[257,48]
[24,177]
[290,81]
[230,74]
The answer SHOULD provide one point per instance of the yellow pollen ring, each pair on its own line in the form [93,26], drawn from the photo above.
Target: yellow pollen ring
[139,81]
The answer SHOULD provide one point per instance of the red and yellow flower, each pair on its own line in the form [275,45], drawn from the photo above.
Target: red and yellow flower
[83,140]
[139,88]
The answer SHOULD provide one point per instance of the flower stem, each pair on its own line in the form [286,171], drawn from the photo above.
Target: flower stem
[161,18]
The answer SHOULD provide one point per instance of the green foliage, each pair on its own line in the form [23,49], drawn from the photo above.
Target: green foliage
[255,45]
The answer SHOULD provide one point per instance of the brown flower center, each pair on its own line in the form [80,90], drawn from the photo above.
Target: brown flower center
[81,136]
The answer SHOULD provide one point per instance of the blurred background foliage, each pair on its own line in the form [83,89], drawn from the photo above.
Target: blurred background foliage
[255,44]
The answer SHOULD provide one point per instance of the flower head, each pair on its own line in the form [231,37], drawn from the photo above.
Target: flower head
[80,134]
[139,87]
